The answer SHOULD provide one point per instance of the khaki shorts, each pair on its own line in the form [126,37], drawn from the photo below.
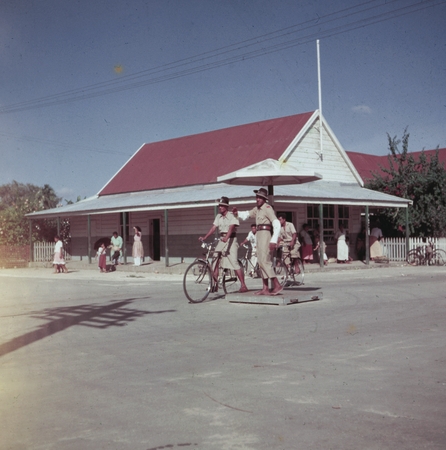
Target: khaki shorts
[294,252]
[229,254]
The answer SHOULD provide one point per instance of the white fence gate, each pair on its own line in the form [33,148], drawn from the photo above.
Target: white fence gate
[44,252]
[395,248]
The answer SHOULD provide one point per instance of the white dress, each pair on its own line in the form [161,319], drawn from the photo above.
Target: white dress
[342,247]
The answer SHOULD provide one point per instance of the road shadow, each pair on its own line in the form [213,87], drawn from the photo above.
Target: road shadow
[301,288]
[114,314]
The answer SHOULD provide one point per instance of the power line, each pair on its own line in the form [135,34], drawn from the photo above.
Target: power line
[79,147]
[225,56]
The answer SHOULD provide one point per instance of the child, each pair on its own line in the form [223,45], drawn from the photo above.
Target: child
[102,258]
[429,252]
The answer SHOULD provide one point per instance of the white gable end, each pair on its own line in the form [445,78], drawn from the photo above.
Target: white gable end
[332,163]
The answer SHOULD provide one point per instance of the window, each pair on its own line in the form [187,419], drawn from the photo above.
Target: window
[313,216]
[334,215]
[343,216]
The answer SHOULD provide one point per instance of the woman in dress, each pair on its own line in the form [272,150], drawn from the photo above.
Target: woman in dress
[375,245]
[342,246]
[307,244]
[58,260]
[101,255]
[137,250]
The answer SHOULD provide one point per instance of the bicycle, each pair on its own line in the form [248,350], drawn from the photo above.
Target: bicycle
[426,255]
[198,280]
[285,268]
[248,267]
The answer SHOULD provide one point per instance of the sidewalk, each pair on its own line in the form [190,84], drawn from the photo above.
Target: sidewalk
[159,267]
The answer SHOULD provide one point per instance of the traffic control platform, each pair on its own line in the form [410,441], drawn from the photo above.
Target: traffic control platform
[289,296]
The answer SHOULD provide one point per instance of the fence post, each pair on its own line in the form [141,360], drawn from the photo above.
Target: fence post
[321,236]
[407,231]
[31,250]
[89,238]
[367,237]
[124,236]
[166,233]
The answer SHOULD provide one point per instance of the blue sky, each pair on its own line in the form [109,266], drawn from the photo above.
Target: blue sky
[377,78]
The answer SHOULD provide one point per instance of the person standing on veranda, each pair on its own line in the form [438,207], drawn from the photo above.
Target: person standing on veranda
[116,252]
[376,235]
[267,223]
[58,260]
[227,225]
[307,244]
[101,256]
[341,245]
[138,249]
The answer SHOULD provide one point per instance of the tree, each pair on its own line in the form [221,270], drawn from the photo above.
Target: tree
[17,200]
[423,181]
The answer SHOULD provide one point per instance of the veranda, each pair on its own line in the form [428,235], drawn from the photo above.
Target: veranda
[393,248]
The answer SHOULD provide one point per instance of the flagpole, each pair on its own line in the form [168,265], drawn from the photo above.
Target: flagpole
[320,101]
[321,207]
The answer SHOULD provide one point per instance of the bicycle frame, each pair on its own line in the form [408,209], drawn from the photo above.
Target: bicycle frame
[205,275]
[246,262]
[285,267]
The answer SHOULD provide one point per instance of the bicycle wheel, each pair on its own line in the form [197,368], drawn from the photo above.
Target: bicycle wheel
[197,281]
[231,283]
[296,274]
[281,271]
[439,257]
[413,258]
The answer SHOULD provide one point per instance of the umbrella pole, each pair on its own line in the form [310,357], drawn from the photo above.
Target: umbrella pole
[271,194]
[271,202]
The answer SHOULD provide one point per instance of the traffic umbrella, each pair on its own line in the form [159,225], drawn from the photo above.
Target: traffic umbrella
[269,173]
[99,242]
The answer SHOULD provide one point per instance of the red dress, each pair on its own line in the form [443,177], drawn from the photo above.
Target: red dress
[102,259]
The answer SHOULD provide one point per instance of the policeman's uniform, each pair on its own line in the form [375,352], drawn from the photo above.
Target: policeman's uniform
[286,234]
[264,216]
[229,249]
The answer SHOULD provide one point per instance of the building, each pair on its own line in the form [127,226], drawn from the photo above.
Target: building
[169,188]
[367,165]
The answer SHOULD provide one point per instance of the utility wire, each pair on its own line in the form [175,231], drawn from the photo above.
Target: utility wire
[180,68]
[79,147]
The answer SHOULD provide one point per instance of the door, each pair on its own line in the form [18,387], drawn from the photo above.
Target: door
[156,239]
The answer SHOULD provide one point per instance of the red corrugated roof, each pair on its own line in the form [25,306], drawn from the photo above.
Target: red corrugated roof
[366,164]
[201,158]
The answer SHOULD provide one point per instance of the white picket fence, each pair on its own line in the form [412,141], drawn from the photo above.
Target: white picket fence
[44,252]
[395,248]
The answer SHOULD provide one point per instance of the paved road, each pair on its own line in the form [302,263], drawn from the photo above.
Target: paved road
[122,361]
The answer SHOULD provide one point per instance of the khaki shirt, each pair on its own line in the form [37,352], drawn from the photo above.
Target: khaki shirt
[286,232]
[224,222]
[263,215]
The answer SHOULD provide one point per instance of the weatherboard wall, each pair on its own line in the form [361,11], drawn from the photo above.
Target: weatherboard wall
[332,162]
[184,228]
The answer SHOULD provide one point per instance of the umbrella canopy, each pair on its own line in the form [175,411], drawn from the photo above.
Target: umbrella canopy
[99,242]
[269,173]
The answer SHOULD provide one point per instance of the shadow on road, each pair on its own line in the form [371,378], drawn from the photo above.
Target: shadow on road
[115,314]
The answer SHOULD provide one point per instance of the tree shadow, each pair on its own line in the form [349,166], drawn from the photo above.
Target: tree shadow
[115,314]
